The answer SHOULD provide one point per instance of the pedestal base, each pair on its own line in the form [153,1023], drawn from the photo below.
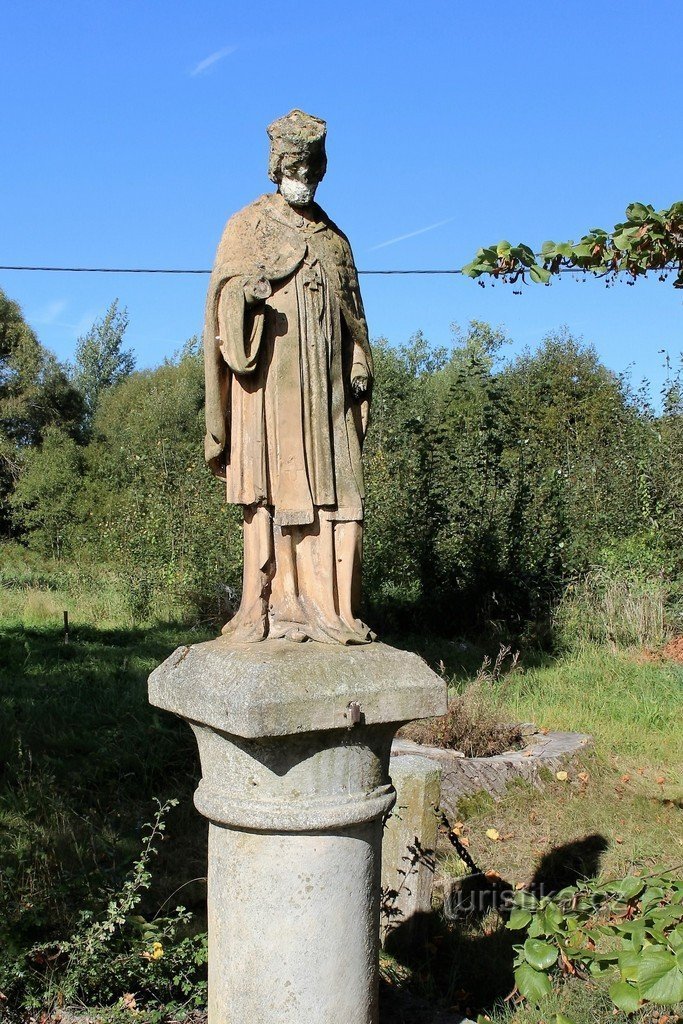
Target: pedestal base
[296,794]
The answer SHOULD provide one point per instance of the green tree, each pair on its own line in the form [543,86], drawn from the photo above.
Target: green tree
[101,361]
[492,486]
[150,505]
[579,423]
[45,499]
[34,393]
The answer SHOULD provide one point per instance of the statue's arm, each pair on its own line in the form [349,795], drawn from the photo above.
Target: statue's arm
[361,357]
[241,319]
[354,317]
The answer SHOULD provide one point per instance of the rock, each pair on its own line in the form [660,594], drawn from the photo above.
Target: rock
[463,776]
[408,851]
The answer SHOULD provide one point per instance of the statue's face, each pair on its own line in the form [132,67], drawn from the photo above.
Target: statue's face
[300,177]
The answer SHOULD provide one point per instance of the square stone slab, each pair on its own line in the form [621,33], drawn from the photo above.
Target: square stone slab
[278,688]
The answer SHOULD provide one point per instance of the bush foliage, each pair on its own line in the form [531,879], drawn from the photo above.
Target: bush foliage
[493,484]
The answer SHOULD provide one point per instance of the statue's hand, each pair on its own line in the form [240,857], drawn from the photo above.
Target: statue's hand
[257,289]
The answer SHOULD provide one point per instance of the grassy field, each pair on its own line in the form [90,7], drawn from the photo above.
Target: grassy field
[84,757]
[618,812]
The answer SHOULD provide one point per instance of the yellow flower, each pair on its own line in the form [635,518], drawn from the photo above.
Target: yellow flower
[157,951]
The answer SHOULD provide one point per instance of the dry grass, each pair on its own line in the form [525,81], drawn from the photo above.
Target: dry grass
[476,722]
[617,610]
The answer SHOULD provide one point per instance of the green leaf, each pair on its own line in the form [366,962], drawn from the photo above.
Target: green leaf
[525,900]
[623,240]
[503,248]
[598,968]
[540,955]
[628,887]
[533,985]
[629,962]
[624,996]
[659,977]
[518,919]
[576,941]
[638,212]
[524,254]
[561,1019]
[539,274]
[666,915]
[638,937]
[555,918]
[537,926]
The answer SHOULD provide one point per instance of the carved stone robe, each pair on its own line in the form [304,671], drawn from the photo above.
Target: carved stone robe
[283,427]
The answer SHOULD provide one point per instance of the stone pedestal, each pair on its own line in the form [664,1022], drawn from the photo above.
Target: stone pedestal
[294,741]
[409,852]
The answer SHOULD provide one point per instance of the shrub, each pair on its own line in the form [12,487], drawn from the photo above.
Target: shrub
[475,722]
[116,956]
[628,931]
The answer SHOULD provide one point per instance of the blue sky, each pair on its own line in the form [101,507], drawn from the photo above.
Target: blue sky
[133,130]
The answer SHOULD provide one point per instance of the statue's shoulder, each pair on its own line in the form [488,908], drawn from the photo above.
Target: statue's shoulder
[330,224]
[255,240]
[249,215]
[336,236]
[236,246]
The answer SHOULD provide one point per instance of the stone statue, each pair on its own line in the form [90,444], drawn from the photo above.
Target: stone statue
[288,382]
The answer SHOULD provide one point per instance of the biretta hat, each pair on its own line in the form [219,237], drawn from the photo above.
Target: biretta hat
[297,132]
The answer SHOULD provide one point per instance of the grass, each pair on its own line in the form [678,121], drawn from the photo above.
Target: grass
[631,706]
[616,608]
[618,811]
[84,758]
[84,755]
[35,591]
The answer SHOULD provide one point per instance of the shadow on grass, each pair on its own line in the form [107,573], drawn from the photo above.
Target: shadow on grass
[567,864]
[83,758]
[468,961]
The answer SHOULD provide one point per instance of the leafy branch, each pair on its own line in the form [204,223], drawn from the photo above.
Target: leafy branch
[629,931]
[648,240]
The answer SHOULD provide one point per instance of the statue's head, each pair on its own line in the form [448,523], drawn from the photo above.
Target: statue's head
[297,161]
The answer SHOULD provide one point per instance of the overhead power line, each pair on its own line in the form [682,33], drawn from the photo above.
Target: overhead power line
[167,270]
[155,270]
[107,270]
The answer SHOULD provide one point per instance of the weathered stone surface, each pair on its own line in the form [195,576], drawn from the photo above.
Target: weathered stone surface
[278,687]
[463,776]
[296,794]
[288,373]
[408,850]
[292,926]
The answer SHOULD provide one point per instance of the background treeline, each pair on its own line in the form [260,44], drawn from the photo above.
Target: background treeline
[498,490]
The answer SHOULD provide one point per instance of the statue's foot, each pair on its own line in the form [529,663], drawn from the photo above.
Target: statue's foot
[297,635]
[244,631]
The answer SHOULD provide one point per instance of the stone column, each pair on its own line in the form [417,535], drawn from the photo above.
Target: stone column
[294,741]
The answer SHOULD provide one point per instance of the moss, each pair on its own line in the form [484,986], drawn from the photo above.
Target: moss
[475,804]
